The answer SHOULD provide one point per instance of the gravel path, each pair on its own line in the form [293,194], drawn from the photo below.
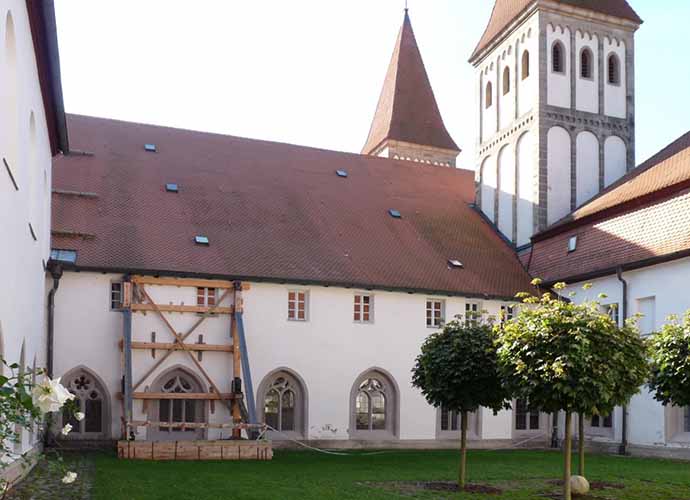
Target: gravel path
[44,482]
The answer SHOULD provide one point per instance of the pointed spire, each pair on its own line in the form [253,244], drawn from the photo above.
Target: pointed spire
[407,109]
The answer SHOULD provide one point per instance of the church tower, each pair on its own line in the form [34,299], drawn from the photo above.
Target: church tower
[556,108]
[407,124]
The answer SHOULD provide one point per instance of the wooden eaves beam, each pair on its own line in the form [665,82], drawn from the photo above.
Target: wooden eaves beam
[200,283]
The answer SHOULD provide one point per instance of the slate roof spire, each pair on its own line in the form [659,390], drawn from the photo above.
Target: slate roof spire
[407,109]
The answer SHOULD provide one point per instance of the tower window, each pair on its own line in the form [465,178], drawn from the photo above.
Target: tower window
[488,95]
[557,62]
[586,64]
[525,64]
[506,80]
[614,70]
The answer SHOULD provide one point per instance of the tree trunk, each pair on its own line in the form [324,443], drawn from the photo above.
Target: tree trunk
[463,449]
[581,445]
[567,455]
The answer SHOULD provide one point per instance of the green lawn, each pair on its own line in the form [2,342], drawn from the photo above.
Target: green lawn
[314,476]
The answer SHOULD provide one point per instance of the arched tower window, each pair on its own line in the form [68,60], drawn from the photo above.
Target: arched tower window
[92,400]
[557,58]
[488,95]
[525,64]
[614,70]
[586,64]
[506,80]
[283,400]
[373,406]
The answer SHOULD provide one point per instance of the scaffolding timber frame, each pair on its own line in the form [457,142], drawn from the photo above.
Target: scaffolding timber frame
[136,298]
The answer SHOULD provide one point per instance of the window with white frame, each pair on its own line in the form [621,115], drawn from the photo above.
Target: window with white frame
[116,295]
[611,310]
[434,313]
[450,419]
[605,421]
[206,297]
[363,308]
[507,313]
[472,313]
[526,418]
[297,305]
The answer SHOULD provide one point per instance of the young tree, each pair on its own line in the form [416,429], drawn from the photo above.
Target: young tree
[670,360]
[569,357]
[457,370]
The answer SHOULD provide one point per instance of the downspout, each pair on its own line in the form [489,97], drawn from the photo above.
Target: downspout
[56,273]
[622,450]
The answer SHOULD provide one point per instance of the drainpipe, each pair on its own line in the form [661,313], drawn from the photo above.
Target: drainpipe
[56,273]
[622,450]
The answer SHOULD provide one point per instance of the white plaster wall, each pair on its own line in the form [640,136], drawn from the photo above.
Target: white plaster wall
[615,159]
[667,284]
[587,167]
[527,87]
[615,95]
[328,352]
[507,106]
[558,174]
[587,89]
[23,306]
[558,84]
[488,187]
[526,188]
[506,172]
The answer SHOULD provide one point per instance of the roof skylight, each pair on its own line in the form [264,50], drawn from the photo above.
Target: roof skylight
[455,264]
[151,148]
[59,255]
[395,213]
[201,240]
[171,187]
[341,173]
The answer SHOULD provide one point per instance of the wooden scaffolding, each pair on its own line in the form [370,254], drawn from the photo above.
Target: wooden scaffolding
[136,299]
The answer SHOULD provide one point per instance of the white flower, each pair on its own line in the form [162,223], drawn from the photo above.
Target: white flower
[79,416]
[50,395]
[66,429]
[70,477]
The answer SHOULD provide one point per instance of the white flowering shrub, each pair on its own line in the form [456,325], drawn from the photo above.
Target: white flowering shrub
[25,405]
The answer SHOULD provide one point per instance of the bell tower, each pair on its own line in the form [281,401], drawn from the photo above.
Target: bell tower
[555,98]
[407,124]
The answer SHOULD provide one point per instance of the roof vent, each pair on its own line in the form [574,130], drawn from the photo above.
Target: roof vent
[572,244]
[341,173]
[171,187]
[69,256]
[455,264]
[395,213]
[151,148]
[201,240]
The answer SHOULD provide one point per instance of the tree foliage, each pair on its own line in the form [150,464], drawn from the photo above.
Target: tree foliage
[670,360]
[457,368]
[572,357]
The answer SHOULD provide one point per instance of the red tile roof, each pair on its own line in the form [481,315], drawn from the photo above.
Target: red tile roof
[407,109]
[273,212]
[505,11]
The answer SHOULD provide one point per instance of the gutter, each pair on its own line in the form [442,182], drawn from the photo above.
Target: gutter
[622,450]
[56,273]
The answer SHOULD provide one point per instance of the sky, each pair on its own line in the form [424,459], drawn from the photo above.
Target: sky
[310,72]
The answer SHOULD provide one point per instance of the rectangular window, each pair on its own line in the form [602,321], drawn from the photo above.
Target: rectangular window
[611,310]
[297,305]
[471,313]
[434,313]
[449,420]
[507,313]
[363,308]
[525,418]
[647,307]
[606,422]
[116,296]
[206,297]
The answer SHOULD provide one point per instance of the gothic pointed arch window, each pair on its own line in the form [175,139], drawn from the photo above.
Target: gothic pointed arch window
[558,58]
[586,59]
[282,398]
[525,64]
[506,80]
[92,400]
[488,95]
[173,411]
[374,407]
[614,70]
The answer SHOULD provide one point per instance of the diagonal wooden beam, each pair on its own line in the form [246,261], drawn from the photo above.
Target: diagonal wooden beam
[184,337]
